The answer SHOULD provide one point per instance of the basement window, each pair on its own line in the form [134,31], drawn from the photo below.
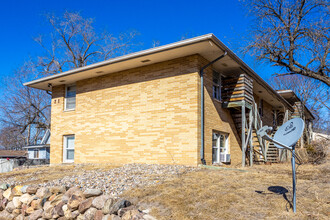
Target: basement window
[68,151]
[70,98]
[216,86]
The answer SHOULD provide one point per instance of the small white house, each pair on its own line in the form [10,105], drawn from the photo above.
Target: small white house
[42,150]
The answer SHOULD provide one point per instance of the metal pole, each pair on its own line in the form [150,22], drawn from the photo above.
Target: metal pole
[243,134]
[293,163]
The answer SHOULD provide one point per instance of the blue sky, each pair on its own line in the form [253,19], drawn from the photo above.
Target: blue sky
[163,21]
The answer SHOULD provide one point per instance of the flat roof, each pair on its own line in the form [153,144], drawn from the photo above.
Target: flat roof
[208,46]
[288,93]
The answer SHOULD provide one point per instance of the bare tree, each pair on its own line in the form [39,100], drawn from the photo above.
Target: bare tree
[25,112]
[75,43]
[312,93]
[294,35]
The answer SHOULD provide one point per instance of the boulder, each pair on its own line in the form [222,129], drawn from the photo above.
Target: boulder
[36,204]
[1,192]
[16,191]
[3,186]
[57,189]
[29,210]
[84,205]
[111,217]
[80,217]
[76,198]
[4,215]
[31,190]
[68,214]
[58,209]
[3,204]
[8,194]
[107,206]
[23,209]
[10,207]
[92,192]
[17,203]
[16,212]
[90,213]
[56,199]
[74,214]
[123,203]
[43,192]
[99,201]
[122,211]
[23,189]
[19,217]
[70,191]
[132,215]
[98,215]
[36,215]
[48,212]
[25,198]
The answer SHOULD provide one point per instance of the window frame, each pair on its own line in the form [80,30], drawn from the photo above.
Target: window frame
[65,148]
[225,149]
[216,94]
[34,154]
[65,97]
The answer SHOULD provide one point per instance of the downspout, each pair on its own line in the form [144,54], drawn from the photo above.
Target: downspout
[202,103]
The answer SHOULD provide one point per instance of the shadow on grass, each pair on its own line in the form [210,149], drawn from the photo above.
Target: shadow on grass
[279,190]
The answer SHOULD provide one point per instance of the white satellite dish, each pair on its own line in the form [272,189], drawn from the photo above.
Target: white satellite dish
[289,133]
[286,137]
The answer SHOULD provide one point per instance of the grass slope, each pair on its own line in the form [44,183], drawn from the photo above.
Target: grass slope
[264,192]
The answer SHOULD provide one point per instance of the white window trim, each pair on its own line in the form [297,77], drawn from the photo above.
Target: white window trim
[226,136]
[66,89]
[65,148]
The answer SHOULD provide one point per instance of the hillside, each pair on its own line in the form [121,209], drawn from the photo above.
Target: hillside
[178,192]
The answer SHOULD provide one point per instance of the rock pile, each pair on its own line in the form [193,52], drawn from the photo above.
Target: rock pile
[30,202]
[114,181]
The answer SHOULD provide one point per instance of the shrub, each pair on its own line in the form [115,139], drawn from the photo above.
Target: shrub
[318,151]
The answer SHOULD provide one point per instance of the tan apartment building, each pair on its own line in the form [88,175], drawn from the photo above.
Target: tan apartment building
[182,103]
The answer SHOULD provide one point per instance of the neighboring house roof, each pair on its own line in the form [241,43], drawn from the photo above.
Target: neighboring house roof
[207,46]
[45,141]
[291,97]
[13,153]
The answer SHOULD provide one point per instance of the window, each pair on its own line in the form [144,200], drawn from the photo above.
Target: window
[68,149]
[35,153]
[70,97]
[216,85]
[219,147]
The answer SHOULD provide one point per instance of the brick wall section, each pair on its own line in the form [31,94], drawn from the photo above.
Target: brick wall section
[149,114]
[267,118]
[219,119]
[144,115]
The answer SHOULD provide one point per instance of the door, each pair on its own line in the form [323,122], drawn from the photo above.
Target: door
[68,151]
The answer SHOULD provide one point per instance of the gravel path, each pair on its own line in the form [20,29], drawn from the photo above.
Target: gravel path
[117,180]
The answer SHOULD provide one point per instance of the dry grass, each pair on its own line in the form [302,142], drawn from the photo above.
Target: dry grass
[44,174]
[230,194]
